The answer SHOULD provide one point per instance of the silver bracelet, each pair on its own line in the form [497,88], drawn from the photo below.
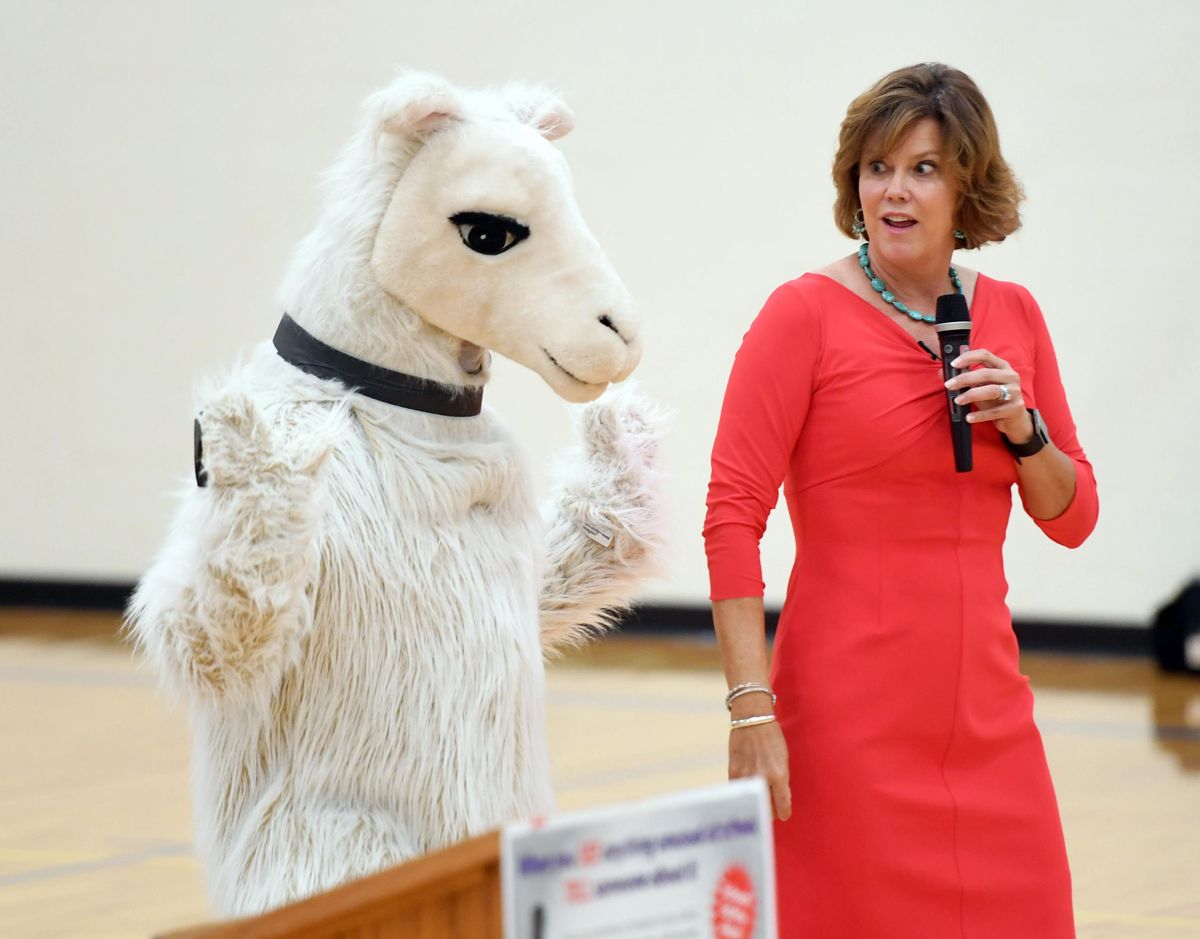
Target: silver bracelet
[751,721]
[747,687]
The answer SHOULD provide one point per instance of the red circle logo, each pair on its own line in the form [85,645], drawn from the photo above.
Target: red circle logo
[734,904]
[589,852]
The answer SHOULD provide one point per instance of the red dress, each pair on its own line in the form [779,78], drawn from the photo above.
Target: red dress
[922,803]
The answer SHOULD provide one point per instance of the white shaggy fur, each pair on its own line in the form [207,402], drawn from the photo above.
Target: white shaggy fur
[351,607]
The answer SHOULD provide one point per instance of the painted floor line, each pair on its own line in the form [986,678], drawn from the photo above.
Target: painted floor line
[174,849]
[1113,730]
[1134,919]
[19,675]
[691,764]
[10,674]
[640,703]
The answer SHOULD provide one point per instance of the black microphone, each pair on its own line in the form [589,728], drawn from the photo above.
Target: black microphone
[953,325]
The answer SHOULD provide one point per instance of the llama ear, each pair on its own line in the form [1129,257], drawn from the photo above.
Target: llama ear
[415,105]
[553,121]
[423,117]
[540,108]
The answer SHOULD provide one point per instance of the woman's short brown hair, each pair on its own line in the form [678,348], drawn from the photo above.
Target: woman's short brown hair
[884,114]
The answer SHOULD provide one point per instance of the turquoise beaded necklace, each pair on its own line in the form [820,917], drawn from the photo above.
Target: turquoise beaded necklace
[888,297]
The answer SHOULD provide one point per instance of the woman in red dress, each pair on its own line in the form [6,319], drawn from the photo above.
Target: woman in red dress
[908,778]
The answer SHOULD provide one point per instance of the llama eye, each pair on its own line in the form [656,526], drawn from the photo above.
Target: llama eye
[486,233]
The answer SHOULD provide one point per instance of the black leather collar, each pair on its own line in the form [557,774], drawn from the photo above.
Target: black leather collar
[310,355]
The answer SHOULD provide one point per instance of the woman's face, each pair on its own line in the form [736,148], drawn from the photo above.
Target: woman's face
[909,200]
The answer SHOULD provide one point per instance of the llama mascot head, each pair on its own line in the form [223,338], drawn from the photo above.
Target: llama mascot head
[357,594]
[455,206]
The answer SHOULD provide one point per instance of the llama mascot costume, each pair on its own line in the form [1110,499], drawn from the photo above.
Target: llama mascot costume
[356,597]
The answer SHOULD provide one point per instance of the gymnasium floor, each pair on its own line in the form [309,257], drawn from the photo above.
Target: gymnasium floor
[94,814]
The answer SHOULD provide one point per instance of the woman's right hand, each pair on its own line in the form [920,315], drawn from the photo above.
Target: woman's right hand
[762,751]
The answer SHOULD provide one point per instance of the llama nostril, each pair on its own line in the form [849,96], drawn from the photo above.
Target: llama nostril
[606,320]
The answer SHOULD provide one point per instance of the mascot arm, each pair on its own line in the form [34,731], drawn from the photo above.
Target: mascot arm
[223,609]
[606,530]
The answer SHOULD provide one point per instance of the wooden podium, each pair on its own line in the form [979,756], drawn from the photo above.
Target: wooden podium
[452,894]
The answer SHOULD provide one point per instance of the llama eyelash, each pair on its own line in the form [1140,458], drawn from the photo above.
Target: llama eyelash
[488,233]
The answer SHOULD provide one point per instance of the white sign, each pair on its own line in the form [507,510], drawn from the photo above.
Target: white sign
[695,865]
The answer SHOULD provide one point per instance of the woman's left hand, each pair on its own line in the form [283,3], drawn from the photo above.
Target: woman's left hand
[994,388]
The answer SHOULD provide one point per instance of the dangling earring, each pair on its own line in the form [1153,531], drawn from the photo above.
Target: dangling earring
[960,235]
[859,225]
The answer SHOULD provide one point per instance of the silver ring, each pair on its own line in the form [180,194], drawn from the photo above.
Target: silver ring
[1004,395]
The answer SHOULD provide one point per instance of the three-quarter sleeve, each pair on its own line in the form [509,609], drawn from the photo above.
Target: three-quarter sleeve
[766,402]
[1072,527]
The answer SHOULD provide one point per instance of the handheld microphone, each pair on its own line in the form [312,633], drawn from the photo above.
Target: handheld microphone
[953,325]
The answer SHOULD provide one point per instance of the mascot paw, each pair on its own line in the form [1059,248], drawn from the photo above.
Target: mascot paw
[622,427]
[615,495]
[239,447]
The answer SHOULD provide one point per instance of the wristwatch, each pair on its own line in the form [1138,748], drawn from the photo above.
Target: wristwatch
[1035,443]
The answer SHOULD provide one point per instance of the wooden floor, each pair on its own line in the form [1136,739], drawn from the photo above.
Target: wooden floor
[94,814]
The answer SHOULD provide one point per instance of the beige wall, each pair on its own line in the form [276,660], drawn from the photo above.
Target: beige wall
[159,160]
